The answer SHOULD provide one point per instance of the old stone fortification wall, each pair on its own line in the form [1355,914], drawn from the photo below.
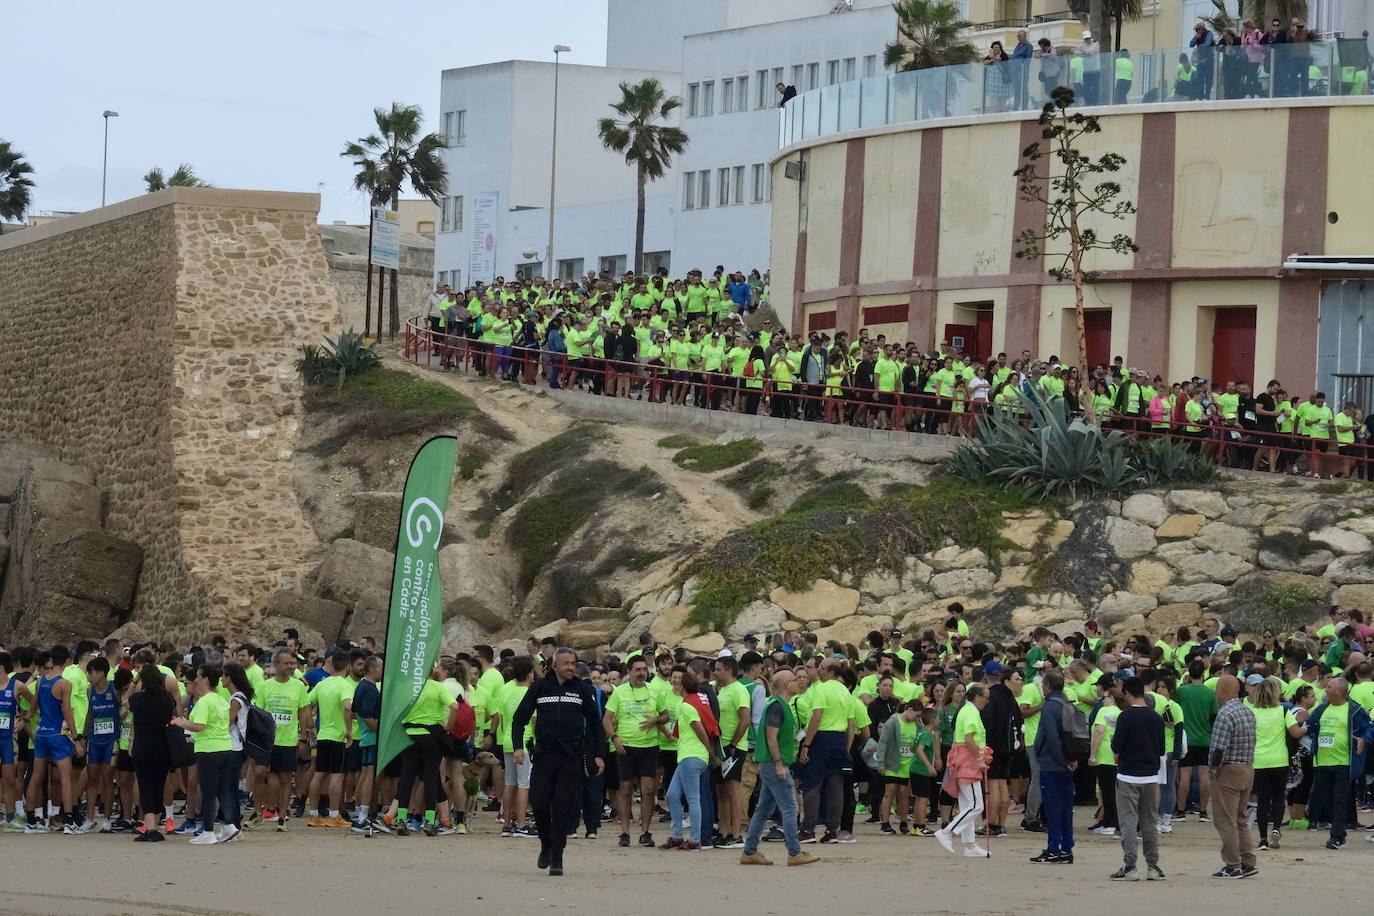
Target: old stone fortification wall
[346,248]
[153,343]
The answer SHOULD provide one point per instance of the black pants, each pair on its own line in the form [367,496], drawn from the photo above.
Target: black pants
[219,788]
[555,796]
[1271,785]
[593,791]
[1332,799]
[422,759]
[152,779]
[1106,782]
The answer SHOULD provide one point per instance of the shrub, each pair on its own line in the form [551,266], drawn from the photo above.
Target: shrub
[348,355]
[676,441]
[707,459]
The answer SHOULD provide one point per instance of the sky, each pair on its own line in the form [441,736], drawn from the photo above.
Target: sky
[252,94]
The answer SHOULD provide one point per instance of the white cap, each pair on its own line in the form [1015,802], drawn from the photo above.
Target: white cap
[1087,34]
[725,653]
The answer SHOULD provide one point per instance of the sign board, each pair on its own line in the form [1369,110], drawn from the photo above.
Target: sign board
[386,239]
[482,243]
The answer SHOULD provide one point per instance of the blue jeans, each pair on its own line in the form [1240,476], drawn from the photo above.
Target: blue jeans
[1168,793]
[686,782]
[707,830]
[1056,810]
[775,794]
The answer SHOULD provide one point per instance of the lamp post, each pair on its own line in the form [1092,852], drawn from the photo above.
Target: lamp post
[105,154]
[549,265]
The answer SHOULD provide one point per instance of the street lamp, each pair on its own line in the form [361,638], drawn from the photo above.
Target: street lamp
[105,154]
[553,160]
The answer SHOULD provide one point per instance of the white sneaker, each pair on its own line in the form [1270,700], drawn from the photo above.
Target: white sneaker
[975,852]
[1166,826]
[204,838]
[86,827]
[945,840]
[226,833]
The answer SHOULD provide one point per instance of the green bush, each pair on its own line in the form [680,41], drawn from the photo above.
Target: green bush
[676,441]
[707,459]
[350,354]
[755,481]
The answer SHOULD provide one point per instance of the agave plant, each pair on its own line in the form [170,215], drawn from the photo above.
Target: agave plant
[349,354]
[1161,460]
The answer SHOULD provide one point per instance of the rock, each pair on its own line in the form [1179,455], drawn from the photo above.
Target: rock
[671,625]
[552,630]
[1211,566]
[1058,533]
[1025,532]
[350,568]
[461,634]
[1177,527]
[1057,602]
[1355,596]
[268,631]
[320,614]
[130,634]
[1198,502]
[50,618]
[1028,617]
[91,565]
[1169,617]
[1351,571]
[1013,577]
[1117,606]
[758,618]
[369,615]
[1342,541]
[823,602]
[1128,539]
[899,606]
[629,635]
[1132,624]
[956,557]
[1363,524]
[1228,539]
[1149,577]
[852,629]
[1172,552]
[1312,563]
[1145,508]
[377,518]
[1250,516]
[1067,627]
[1197,593]
[588,634]
[689,590]
[961,582]
[597,613]
[914,572]
[657,602]
[16,455]
[707,644]
[880,584]
[475,585]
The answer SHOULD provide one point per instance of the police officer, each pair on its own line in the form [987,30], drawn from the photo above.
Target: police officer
[569,724]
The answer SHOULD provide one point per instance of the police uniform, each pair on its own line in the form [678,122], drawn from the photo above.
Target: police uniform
[568,727]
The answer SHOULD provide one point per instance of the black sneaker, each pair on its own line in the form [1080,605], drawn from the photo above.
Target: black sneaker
[1228,872]
[1045,858]
[997,831]
[873,819]
[1248,872]
[1033,827]
[886,830]
[830,836]
[624,839]
[775,835]
[1125,873]
[556,869]
[545,856]
[492,805]
[1335,844]
[720,842]
[903,829]
[646,839]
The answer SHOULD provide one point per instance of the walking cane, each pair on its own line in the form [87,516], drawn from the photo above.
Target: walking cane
[987,819]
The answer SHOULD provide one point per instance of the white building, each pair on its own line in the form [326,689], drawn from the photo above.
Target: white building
[723,57]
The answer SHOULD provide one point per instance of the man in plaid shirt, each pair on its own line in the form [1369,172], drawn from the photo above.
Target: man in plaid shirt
[1232,765]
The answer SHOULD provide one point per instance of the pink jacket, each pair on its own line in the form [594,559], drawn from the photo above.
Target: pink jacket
[962,767]
[1251,42]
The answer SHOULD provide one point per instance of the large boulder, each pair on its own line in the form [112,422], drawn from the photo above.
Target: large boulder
[671,625]
[1145,508]
[1169,617]
[1211,566]
[1312,563]
[16,456]
[588,634]
[1130,540]
[268,632]
[1200,502]
[553,630]
[956,557]
[317,613]
[368,617]
[758,618]
[1117,606]
[852,629]
[350,568]
[707,644]
[1342,541]
[962,582]
[475,585]
[1248,516]
[461,634]
[880,584]
[824,602]
[1180,526]
[656,602]
[1149,577]
[1355,596]
[377,518]
[130,634]
[1351,571]
[52,618]
[1197,593]
[1228,539]
[91,565]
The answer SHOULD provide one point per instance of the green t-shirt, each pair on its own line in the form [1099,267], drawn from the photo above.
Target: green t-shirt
[430,707]
[1036,654]
[887,373]
[254,675]
[970,722]
[906,743]
[1031,695]
[833,702]
[925,738]
[732,698]
[490,683]
[1106,720]
[213,712]
[1084,695]
[1363,693]
[868,684]
[284,702]
[1345,428]
[511,695]
[632,705]
[859,711]
[688,744]
[81,692]
[1199,710]
[1333,737]
[1317,422]
[327,696]
[1271,735]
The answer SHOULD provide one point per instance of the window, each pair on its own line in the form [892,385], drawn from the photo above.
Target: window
[455,127]
[739,184]
[813,76]
[708,98]
[689,191]
[693,99]
[722,187]
[849,68]
[758,183]
[653,260]
[742,94]
[727,96]
[870,65]
[832,72]
[451,214]
[530,269]
[569,268]
[777,77]
[704,186]
[615,263]
[761,95]
[799,77]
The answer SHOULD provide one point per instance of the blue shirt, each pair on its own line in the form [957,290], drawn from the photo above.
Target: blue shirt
[50,717]
[315,675]
[104,716]
[8,700]
[367,704]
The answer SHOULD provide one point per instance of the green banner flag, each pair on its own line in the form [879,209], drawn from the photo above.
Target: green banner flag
[415,622]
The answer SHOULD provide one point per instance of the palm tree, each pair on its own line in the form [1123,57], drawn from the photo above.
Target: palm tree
[15,183]
[1121,11]
[183,177]
[386,160]
[647,144]
[929,35]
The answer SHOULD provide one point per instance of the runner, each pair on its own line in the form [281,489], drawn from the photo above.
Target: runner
[287,699]
[633,716]
[53,743]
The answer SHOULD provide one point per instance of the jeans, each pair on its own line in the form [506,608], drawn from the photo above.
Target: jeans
[1137,803]
[686,782]
[219,788]
[1056,810]
[775,794]
[1168,792]
[1331,797]
[1231,814]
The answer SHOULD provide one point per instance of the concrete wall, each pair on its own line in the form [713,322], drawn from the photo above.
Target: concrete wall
[1224,195]
[153,342]
[346,249]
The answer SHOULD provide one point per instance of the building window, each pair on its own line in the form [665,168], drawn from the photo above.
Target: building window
[870,65]
[849,68]
[757,196]
[614,263]
[742,94]
[727,96]
[739,184]
[704,187]
[708,98]
[689,191]
[799,77]
[761,96]
[832,72]
[569,268]
[722,187]
[451,214]
[777,77]
[653,260]
[455,127]
[693,99]
[813,75]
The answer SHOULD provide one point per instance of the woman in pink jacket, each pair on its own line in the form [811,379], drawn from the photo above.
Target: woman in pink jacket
[1254,55]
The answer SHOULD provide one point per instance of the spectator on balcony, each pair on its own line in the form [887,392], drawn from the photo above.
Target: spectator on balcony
[1050,66]
[1124,70]
[1020,70]
[1233,65]
[996,86]
[1205,44]
[785,92]
[1252,41]
[1305,76]
[1185,79]
[1090,53]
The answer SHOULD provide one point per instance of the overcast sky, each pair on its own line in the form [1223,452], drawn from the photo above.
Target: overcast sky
[253,94]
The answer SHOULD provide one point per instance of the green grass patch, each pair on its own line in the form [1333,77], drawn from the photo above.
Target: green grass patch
[755,482]
[842,528]
[1262,604]
[627,556]
[677,441]
[1331,487]
[532,466]
[471,459]
[837,491]
[707,459]
[392,390]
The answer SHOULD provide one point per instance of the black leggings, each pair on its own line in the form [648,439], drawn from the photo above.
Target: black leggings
[219,788]
[422,758]
[152,779]
[1271,785]
[1106,785]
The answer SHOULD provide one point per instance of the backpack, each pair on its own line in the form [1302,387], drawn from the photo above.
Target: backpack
[749,369]
[1078,741]
[259,735]
[464,721]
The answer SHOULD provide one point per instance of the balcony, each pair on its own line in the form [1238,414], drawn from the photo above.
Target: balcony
[1332,68]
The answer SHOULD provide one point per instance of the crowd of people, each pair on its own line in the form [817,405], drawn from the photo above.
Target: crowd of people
[687,342]
[779,739]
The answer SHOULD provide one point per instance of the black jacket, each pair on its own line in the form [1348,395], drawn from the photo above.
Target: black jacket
[1138,741]
[569,719]
[1002,719]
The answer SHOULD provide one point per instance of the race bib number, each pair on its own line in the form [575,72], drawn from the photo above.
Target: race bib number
[908,751]
[125,734]
[102,727]
[1326,741]
[282,718]
[4,721]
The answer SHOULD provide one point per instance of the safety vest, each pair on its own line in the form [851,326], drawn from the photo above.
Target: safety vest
[1125,69]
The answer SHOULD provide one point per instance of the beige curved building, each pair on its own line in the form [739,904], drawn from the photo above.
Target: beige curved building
[910,230]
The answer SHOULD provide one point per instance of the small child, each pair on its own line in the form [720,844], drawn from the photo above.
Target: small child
[923,769]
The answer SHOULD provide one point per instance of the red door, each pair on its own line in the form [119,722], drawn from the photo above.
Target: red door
[1097,327]
[1233,347]
[983,347]
[963,336]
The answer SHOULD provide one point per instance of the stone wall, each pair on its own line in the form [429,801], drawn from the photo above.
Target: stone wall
[153,343]
[346,248]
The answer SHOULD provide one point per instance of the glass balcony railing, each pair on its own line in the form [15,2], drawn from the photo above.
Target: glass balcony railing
[1221,73]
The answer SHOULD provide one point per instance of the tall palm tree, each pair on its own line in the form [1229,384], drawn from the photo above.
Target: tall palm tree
[183,177]
[386,160]
[1120,12]
[640,134]
[929,34]
[15,183]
